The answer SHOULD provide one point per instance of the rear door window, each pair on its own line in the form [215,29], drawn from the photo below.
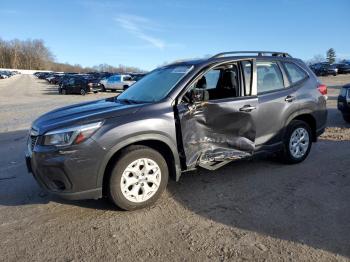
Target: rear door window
[295,73]
[269,76]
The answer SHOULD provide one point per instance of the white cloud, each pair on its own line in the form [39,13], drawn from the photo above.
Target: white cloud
[140,27]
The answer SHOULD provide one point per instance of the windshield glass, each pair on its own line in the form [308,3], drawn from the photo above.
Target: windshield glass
[156,85]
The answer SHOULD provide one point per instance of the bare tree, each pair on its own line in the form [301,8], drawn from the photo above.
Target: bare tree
[33,54]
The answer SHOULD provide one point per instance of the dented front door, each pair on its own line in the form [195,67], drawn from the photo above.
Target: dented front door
[219,130]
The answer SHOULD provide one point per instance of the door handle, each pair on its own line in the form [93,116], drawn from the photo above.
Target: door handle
[289,99]
[247,108]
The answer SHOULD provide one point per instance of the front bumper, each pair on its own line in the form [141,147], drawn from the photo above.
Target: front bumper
[95,88]
[70,173]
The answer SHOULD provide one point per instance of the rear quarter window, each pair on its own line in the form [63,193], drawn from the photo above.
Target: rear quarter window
[294,72]
[269,77]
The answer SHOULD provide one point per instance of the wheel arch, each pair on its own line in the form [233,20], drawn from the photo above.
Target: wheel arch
[156,141]
[307,117]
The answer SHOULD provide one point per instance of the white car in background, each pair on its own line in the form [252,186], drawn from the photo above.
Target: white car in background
[118,82]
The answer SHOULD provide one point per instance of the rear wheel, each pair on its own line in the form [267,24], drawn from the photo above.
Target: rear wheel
[138,178]
[82,92]
[103,88]
[297,142]
[346,118]
[64,91]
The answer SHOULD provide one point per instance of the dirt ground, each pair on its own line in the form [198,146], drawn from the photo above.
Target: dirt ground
[255,209]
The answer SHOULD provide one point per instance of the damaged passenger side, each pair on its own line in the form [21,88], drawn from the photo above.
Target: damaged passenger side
[217,114]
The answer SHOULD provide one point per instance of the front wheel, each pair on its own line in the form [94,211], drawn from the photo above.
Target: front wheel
[82,92]
[297,142]
[138,178]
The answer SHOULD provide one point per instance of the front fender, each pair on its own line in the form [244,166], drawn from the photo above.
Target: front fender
[135,139]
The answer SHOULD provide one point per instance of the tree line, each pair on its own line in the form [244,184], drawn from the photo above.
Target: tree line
[32,54]
[330,57]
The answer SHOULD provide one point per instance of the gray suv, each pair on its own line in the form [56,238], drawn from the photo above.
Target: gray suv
[200,113]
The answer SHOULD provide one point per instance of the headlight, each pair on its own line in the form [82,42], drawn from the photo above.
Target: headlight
[68,136]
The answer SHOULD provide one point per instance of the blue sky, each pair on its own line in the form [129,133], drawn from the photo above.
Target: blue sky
[147,34]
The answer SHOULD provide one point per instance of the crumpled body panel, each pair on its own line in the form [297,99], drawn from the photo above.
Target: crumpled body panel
[216,132]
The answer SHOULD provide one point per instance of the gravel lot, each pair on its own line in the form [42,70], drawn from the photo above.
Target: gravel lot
[249,210]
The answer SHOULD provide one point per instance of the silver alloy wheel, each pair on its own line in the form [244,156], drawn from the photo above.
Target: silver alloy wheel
[140,180]
[299,142]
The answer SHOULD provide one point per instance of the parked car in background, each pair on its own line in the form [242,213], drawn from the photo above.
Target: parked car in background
[7,74]
[3,75]
[77,85]
[118,82]
[93,81]
[65,77]
[54,78]
[343,68]
[344,102]
[324,69]
[200,113]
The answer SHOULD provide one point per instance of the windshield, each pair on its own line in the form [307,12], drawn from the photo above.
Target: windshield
[156,85]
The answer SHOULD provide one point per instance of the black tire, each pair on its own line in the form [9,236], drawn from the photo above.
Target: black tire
[346,118]
[125,87]
[59,90]
[286,155]
[103,88]
[126,157]
[64,91]
[82,92]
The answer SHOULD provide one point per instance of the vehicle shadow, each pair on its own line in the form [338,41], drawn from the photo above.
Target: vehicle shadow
[305,203]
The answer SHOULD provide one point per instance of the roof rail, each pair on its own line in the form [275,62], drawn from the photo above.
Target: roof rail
[259,53]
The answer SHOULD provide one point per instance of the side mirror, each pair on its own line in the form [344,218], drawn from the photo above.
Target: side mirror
[199,95]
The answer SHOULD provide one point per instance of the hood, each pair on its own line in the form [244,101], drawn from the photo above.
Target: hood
[83,113]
